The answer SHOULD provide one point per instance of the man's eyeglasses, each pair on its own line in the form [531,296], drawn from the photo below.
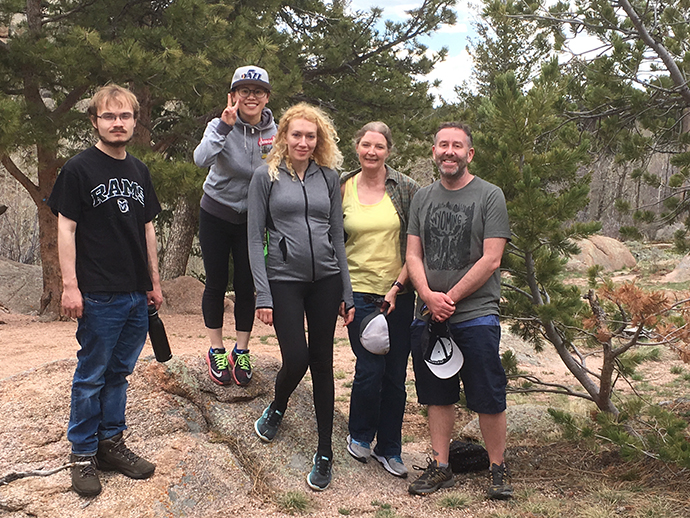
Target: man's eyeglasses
[112,117]
[259,93]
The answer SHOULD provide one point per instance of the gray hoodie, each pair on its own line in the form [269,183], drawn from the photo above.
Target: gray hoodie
[305,227]
[232,153]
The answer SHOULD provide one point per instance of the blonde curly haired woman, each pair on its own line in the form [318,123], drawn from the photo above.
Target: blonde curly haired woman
[294,200]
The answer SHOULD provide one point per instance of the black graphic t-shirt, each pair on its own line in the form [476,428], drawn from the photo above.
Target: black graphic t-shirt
[111,200]
[453,226]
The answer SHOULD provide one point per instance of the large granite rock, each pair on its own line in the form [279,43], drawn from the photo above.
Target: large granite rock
[609,253]
[210,463]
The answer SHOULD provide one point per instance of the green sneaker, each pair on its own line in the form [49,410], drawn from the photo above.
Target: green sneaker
[241,366]
[217,361]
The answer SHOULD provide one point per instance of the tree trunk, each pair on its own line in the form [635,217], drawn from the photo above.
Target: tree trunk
[52,278]
[182,230]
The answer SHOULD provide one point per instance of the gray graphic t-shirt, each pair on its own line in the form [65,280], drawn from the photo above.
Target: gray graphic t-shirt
[452,226]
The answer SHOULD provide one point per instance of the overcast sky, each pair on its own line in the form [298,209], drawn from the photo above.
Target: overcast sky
[458,66]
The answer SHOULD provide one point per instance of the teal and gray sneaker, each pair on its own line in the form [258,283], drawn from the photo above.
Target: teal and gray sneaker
[266,426]
[320,476]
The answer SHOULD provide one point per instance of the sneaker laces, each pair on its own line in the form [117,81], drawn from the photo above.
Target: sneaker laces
[322,464]
[242,361]
[220,360]
[429,463]
[499,475]
[274,418]
[432,471]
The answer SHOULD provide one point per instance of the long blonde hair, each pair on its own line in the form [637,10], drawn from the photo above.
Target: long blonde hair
[326,152]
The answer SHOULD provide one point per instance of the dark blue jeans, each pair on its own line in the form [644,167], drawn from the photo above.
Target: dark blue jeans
[377,403]
[111,332]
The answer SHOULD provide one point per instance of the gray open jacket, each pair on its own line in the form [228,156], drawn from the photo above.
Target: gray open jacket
[232,154]
[305,228]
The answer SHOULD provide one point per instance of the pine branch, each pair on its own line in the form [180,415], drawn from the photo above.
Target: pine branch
[553,388]
[18,175]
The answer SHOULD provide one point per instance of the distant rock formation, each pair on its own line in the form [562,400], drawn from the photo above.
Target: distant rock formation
[681,273]
[609,253]
[21,286]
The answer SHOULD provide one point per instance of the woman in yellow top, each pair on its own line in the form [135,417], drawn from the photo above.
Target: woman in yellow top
[376,204]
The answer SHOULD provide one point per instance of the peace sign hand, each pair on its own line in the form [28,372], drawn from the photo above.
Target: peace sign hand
[229,115]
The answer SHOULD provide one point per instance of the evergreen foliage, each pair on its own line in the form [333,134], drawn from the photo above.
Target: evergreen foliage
[179,57]
[530,142]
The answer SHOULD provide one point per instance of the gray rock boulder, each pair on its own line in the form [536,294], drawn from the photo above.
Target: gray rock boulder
[21,286]
[522,420]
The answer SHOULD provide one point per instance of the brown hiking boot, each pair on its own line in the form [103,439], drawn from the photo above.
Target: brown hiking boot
[85,478]
[113,454]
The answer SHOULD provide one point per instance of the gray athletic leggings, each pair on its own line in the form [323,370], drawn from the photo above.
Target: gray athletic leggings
[319,301]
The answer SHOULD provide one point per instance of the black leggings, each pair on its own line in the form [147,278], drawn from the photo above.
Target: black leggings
[218,238]
[320,301]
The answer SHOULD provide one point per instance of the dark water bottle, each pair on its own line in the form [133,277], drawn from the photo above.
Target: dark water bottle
[159,339]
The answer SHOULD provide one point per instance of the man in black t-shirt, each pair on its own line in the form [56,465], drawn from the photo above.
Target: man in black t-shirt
[105,204]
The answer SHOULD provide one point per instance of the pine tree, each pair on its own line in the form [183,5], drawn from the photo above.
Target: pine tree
[178,57]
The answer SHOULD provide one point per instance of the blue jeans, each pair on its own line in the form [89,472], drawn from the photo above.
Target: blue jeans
[377,403]
[111,333]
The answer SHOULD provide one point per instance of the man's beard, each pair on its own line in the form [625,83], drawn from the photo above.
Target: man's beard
[115,143]
[457,173]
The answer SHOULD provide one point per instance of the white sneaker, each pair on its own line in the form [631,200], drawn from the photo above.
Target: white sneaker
[393,464]
[360,450]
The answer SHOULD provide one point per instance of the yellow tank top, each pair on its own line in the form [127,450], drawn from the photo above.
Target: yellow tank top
[373,241]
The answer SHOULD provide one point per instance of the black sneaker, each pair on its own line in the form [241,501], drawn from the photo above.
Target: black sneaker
[85,478]
[499,489]
[320,476]
[241,366]
[266,426]
[113,454]
[217,360]
[433,479]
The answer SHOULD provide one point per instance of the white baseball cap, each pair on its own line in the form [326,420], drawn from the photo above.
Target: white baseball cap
[250,75]
[373,333]
[441,354]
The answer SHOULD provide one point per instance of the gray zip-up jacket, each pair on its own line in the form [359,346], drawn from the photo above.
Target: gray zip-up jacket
[305,230]
[233,153]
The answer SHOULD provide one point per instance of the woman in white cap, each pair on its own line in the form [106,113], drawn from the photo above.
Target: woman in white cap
[376,206]
[233,146]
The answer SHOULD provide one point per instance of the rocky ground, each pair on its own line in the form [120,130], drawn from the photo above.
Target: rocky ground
[211,464]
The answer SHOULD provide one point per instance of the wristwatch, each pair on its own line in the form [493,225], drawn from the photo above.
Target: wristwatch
[400,285]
